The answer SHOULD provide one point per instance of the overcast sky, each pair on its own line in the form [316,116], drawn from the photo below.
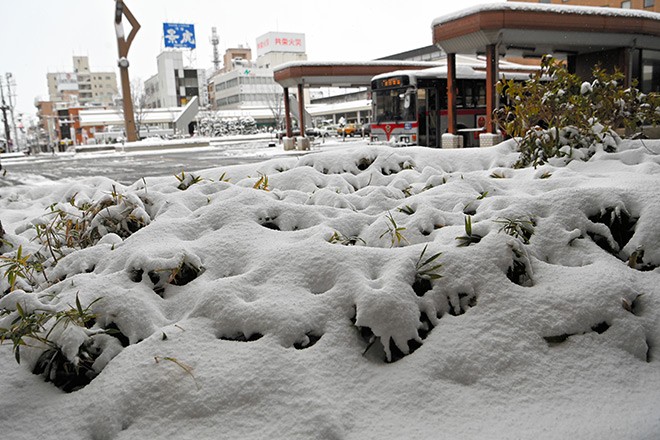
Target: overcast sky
[41,36]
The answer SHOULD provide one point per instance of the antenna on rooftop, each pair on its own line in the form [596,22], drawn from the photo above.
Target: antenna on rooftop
[216,55]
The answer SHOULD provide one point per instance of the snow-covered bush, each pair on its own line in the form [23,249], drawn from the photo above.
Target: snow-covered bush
[80,224]
[557,114]
[210,124]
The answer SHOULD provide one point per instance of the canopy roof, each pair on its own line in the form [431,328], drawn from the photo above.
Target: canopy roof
[536,29]
[333,74]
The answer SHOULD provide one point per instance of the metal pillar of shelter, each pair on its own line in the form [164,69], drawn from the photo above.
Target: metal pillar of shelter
[287,113]
[451,93]
[301,109]
[492,60]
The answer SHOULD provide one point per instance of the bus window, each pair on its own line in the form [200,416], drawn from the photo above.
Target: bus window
[481,94]
[395,105]
[469,100]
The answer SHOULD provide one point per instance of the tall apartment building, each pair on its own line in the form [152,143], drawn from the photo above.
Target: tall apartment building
[174,85]
[83,86]
[645,5]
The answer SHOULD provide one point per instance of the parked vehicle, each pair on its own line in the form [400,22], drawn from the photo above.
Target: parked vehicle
[347,130]
[327,130]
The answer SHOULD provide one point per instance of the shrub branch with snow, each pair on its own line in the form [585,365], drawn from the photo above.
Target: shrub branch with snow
[555,114]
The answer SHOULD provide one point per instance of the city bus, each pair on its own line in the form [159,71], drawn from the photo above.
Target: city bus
[410,107]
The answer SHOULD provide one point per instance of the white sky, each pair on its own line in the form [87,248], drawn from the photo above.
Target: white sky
[41,36]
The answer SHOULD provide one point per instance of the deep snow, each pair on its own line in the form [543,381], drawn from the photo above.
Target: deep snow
[269,340]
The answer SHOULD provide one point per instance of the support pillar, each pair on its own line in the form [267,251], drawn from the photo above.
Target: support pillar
[451,93]
[491,81]
[491,136]
[451,139]
[626,61]
[287,113]
[301,109]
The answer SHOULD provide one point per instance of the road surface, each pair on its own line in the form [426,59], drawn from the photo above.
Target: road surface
[127,168]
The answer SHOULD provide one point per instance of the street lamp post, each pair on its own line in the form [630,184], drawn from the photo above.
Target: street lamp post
[4,108]
[11,110]
[123,45]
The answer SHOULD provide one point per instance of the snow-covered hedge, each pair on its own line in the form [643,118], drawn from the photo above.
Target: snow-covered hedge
[557,114]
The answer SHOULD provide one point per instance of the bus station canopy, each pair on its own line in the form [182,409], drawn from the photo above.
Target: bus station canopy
[534,29]
[586,36]
[335,74]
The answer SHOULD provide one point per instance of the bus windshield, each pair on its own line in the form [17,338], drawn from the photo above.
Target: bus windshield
[395,105]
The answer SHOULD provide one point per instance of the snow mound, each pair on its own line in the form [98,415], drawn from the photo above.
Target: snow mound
[366,293]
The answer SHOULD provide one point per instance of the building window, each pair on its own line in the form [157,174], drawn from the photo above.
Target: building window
[625,5]
[649,3]
[545,1]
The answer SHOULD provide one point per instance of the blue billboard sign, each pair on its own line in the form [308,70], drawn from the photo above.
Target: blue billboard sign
[179,35]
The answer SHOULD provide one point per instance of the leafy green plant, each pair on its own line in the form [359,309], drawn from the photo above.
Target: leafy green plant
[78,226]
[394,231]
[406,209]
[423,268]
[425,272]
[20,266]
[24,327]
[186,182]
[521,229]
[469,237]
[559,117]
[82,317]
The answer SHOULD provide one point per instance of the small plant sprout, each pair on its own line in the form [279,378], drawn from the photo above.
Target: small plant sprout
[423,268]
[340,238]
[394,231]
[185,367]
[520,229]
[546,175]
[406,209]
[425,272]
[467,209]
[262,183]
[497,175]
[186,181]
[223,178]
[82,317]
[469,238]
[32,325]
[20,266]
[26,326]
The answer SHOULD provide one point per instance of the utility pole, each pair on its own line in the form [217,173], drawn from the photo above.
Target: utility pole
[4,114]
[11,110]
[123,45]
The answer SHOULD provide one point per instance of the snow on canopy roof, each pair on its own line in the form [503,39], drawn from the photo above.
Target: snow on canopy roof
[541,7]
[466,68]
[353,63]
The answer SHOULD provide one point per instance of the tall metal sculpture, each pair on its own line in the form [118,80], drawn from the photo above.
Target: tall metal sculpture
[123,45]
